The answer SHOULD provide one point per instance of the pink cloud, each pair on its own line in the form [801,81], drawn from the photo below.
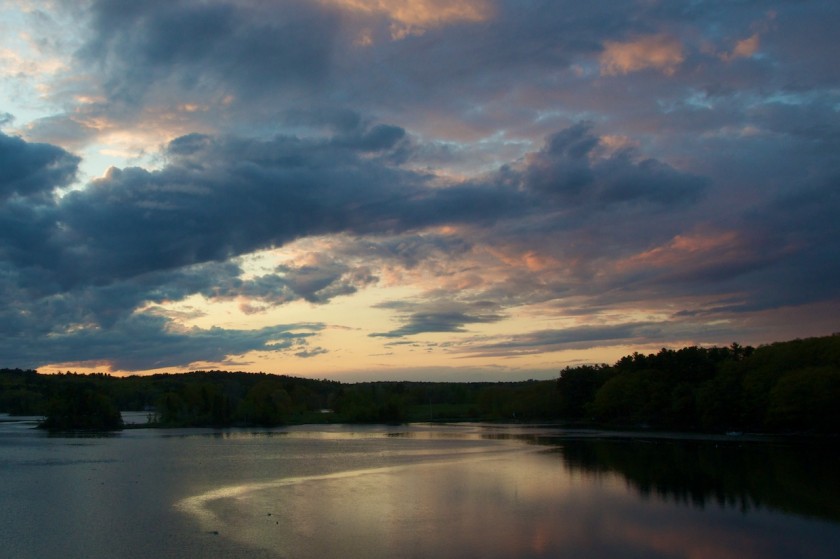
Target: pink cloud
[690,252]
[743,49]
[414,18]
[659,52]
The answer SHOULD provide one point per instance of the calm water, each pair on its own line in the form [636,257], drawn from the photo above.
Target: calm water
[413,491]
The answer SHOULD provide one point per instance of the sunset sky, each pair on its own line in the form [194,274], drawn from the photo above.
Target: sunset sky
[429,189]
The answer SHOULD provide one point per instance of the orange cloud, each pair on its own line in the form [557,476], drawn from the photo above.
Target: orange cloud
[688,250]
[660,52]
[743,49]
[747,47]
[536,262]
[415,17]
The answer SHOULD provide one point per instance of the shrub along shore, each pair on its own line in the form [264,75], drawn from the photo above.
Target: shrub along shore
[784,387]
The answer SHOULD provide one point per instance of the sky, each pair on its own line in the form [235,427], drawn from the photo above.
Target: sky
[413,190]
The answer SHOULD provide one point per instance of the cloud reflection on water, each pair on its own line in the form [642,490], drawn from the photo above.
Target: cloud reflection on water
[502,499]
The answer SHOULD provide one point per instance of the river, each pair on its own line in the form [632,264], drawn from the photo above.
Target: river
[466,490]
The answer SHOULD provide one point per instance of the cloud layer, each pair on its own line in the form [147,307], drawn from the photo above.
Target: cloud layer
[530,179]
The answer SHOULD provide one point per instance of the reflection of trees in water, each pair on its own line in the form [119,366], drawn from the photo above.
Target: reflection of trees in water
[796,478]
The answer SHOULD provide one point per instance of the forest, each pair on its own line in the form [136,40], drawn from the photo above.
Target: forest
[784,387]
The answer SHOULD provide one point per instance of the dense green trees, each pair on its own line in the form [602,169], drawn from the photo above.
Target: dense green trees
[267,403]
[82,407]
[784,387]
[21,392]
[659,390]
[577,387]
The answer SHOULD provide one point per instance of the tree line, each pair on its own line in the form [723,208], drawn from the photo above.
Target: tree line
[782,387]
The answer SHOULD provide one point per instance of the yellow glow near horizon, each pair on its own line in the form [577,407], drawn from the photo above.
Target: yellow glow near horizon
[343,344]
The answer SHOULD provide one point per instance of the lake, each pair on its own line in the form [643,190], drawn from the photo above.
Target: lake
[466,490]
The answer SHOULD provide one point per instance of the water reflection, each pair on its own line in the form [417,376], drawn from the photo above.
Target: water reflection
[743,472]
[414,491]
[564,497]
[796,478]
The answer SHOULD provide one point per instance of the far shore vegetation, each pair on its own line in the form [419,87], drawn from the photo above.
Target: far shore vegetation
[785,387]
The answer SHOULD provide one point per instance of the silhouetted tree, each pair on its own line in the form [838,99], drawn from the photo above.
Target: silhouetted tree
[81,408]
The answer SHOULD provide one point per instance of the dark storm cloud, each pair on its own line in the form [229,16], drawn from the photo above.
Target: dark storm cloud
[804,43]
[241,48]
[432,318]
[30,307]
[76,268]
[406,250]
[33,169]
[800,234]
[780,252]
[218,198]
[584,337]
[705,167]
[572,338]
[268,59]
[221,197]
[317,282]
[376,138]
[564,169]
[145,342]
[463,68]
[96,323]
[66,129]
[813,120]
